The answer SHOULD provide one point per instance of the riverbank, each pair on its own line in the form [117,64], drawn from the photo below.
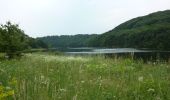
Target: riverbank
[40,76]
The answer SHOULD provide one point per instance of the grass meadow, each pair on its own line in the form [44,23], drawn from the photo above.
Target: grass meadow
[57,77]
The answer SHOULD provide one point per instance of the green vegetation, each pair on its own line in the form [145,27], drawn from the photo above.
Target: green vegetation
[13,40]
[68,40]
[151,31]
[49,77]
[36,44]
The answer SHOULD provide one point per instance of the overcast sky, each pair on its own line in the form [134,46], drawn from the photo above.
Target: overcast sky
[64,17]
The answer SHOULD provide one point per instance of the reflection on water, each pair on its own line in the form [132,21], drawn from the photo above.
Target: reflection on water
[104,51]
[120,52]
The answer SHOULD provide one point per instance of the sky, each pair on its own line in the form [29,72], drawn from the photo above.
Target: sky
[68,17]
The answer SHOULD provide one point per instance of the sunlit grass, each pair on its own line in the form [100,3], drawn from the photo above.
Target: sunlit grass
[50,77]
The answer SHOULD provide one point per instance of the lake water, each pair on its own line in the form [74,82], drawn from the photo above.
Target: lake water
[103,50]
[119,52]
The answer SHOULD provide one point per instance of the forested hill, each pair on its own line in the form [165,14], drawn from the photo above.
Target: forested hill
[68,40]
[151,31]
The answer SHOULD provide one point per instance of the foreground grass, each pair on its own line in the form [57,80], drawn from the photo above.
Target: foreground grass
[48,77]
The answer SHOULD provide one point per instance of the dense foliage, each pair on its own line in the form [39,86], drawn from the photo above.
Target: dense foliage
[36,43]
[151,31]
[13,40]
[68,40]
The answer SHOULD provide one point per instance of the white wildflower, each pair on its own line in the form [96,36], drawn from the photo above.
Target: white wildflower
[8,88]
[42,77]
[151,90]
[140,79]
[62,90]
[82,81]
[154,63]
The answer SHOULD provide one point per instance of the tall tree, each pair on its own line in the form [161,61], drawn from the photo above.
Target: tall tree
[12,39]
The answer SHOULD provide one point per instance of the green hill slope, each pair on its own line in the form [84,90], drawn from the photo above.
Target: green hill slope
[151,31]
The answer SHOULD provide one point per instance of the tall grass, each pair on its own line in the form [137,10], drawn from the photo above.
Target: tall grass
[48,77]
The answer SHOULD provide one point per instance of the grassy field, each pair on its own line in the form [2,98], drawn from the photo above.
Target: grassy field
[50,77]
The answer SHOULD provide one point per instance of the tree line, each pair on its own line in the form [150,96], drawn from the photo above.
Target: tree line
[79,40]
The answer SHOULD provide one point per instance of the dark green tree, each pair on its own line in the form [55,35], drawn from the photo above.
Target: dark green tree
[12,39]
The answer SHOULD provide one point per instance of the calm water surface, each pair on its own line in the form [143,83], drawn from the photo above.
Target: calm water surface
[119,52]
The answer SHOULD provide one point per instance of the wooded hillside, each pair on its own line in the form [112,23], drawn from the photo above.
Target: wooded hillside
[151,31]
